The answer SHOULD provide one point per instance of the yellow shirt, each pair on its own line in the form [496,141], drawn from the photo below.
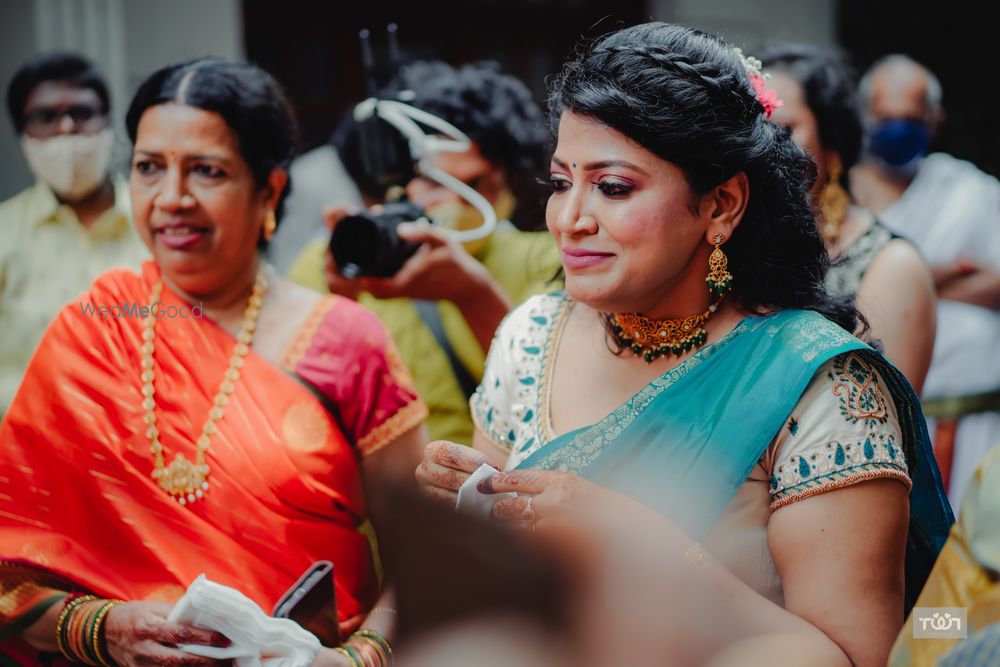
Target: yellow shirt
[523,263]
[46,259]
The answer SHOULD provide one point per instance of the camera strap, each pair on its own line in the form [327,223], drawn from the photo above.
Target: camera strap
[431,317]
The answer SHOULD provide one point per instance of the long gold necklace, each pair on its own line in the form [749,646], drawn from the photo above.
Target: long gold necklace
[652,339]
[184,480]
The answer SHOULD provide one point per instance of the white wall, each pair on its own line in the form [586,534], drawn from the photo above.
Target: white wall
[748,23]
[163,32]
[17,41]
[127,39]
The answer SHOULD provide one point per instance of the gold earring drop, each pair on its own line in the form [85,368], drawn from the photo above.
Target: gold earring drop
[270,224]
[833,205]
[719,280]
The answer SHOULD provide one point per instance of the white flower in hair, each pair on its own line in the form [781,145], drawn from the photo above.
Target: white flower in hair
[753,65]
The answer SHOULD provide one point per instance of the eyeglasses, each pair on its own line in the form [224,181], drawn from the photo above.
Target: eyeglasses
[45,121]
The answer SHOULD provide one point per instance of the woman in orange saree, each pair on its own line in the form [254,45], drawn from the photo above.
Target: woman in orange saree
[294,426]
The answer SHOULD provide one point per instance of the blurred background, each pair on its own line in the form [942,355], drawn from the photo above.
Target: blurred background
[311,46]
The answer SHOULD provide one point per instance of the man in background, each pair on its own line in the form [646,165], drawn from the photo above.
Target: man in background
[951,211]
[74,223]
[443,306]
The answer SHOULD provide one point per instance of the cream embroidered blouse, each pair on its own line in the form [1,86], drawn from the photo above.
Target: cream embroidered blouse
[843,431]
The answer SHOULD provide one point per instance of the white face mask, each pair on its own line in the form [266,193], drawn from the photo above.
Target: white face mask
[461,216]
[73,165]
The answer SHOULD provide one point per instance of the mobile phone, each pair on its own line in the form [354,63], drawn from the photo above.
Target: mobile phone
[311,602]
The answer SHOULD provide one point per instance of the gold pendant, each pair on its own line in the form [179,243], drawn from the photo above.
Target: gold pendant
[182,479]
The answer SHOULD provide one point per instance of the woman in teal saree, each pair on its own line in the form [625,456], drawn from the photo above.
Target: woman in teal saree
[785,459]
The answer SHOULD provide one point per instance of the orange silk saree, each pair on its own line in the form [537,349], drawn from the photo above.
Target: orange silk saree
[77,500]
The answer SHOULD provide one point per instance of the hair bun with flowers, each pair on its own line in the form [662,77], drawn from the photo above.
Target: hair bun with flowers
[755,72]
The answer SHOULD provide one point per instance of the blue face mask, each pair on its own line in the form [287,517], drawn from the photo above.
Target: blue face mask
[899,144]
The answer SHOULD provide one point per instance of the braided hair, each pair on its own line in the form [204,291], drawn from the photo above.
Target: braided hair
[686,97]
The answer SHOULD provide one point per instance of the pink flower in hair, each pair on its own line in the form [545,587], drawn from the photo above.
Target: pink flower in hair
[767,97]
[755,71]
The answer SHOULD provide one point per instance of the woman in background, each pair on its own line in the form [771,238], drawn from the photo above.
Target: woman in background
[882,272]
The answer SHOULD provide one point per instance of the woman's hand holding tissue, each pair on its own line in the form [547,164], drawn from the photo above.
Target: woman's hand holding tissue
[138,633]
[445,468]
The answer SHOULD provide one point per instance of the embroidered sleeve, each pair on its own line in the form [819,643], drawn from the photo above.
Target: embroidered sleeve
[843,431]
[388,400]
[505,406]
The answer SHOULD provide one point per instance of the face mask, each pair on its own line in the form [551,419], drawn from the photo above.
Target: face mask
[73,165]
[461,216]
[899,145]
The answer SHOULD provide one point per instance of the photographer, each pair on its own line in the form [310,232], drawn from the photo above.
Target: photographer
[444,304]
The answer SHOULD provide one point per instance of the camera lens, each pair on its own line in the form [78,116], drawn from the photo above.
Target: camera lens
[367,244]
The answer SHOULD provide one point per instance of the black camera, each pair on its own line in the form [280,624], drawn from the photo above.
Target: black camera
[367,244]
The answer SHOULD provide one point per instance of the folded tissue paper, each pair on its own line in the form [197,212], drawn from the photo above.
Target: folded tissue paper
[470,499]
[257,640]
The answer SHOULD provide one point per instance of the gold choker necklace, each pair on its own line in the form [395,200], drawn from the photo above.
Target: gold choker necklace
[187,481]
[652,339]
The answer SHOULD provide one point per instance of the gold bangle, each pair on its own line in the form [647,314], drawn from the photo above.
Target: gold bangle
[73,630]
[97,636]
[81,632]
[371,653]
[377,641]
[61,624]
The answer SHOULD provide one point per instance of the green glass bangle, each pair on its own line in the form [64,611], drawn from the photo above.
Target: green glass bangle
[376,637]
[86,643]
[97,643]
[369,648]
[351,655]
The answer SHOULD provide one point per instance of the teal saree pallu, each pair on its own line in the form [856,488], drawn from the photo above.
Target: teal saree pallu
[685,443]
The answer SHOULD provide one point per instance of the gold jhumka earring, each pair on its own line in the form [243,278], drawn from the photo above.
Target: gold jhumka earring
[719,280]
[833,204]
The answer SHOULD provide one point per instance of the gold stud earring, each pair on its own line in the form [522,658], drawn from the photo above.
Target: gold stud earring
[270,224]
[719,279]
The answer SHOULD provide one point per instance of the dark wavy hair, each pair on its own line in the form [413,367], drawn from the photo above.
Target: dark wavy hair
[250,101]
[69,67]
[686,97]
[494,109]
[830,92]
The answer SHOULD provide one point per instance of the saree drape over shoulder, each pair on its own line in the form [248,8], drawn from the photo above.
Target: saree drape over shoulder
[79,509]
[784,407]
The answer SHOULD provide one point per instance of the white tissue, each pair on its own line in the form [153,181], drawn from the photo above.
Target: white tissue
[257,640]
[470,499]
